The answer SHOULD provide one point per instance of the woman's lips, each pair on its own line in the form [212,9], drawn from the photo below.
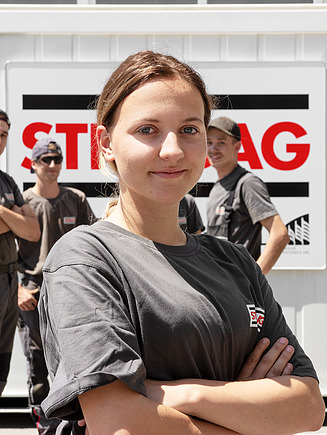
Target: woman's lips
[169,173]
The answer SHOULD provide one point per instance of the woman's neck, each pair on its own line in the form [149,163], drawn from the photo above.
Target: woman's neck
[158,223]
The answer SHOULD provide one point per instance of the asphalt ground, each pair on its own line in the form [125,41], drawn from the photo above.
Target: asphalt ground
[21,424]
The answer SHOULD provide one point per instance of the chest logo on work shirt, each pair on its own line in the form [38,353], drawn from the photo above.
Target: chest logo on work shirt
[182,220]
[10,197]
[257,316]
[69,220]
[220,210]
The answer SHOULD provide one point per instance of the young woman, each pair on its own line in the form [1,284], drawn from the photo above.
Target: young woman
[148,330]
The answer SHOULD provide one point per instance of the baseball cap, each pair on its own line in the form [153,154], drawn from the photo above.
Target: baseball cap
[226,125]
[47,145]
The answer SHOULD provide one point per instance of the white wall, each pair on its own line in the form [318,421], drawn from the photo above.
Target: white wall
[192,33]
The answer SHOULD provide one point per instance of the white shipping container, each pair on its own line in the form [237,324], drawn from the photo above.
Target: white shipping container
[241,51]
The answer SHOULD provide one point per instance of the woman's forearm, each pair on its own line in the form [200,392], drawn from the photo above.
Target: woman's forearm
[284,405]
[116,409]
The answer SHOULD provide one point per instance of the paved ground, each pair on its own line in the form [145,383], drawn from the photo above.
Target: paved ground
[21,424]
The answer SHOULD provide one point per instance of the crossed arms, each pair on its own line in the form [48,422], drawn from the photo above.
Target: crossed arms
[21,221]
[265,399]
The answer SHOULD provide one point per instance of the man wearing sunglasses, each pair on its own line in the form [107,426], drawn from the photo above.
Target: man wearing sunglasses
[59,209]
[16,219]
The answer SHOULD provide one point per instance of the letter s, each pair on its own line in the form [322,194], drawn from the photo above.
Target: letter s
[29,139]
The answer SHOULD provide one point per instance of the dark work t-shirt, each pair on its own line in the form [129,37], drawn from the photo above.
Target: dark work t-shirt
[116,305]
[56,217]
[10,195]
[189,217]
[251,205]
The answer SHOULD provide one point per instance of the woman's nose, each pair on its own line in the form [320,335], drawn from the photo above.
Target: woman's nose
[171,148]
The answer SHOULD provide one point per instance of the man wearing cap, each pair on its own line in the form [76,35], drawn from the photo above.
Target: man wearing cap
[239,204]
[59,209]
[16,219]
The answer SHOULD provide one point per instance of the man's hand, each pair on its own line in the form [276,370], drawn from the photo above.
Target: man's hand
[17,209]
[82,423]
[274,363]
[26,300]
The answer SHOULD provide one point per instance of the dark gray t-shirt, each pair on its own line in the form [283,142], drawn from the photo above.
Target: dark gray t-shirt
[10,195]
[251,205]
[56,217]
[116,305]
[189,217]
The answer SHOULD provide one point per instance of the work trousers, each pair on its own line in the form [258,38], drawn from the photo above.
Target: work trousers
[37,373]
[8,322]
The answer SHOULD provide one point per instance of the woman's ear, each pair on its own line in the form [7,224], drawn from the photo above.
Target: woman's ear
[104,144]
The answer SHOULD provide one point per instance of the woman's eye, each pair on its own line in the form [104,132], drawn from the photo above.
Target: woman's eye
[146,130]
[190,130]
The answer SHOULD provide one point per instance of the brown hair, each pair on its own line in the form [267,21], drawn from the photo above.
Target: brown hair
[4,117]
[136,70]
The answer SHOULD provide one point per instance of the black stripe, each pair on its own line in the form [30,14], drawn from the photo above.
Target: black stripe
[274,189]
[91,190]
[224,102]
[261,102]
[59,102]
[94,190]
[300,189]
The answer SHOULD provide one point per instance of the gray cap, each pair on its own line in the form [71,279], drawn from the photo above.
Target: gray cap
[226,125]
[47,145]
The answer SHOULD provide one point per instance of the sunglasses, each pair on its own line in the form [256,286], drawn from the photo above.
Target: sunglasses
[48,159]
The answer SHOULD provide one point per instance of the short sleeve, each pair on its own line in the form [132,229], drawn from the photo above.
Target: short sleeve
[87,216]
[257,200]
[86,327]
[194,220]
[19,200]
[275,326]
[16,198]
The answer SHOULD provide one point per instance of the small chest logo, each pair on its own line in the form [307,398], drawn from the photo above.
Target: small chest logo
[10,197]
[257,316]
[69,220]
[182,220]
[220,210]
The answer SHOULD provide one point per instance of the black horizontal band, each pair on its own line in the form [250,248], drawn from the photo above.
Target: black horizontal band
[98,190]
[59,102]
[223,102]
[262,102]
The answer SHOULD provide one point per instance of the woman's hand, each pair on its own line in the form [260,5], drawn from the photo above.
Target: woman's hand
[274,363]
[265,391]
[257,366]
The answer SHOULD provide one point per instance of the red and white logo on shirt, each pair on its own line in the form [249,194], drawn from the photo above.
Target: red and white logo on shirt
[69,220]
[10,197]
[220,210]
[257,316]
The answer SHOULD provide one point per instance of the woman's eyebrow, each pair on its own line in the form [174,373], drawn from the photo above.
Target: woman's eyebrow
[193,118]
